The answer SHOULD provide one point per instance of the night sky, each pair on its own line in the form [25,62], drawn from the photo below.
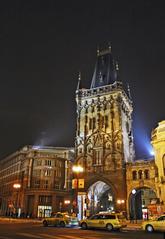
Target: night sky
[43,46]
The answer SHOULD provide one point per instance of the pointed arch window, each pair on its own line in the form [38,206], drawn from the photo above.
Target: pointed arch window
[140,174]
[94,123]
[134,175]
[102,121]
[146,174]
[98,157]
[106,121]
[90,124]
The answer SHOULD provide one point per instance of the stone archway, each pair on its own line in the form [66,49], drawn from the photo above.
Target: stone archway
[101,197]
[139,201]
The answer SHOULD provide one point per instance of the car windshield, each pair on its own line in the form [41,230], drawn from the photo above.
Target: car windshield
[94,217]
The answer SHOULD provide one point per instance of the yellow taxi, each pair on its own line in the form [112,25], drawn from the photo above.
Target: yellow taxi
[157,224]
[109,221]
[60,219]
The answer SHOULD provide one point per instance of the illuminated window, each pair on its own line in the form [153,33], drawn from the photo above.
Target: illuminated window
[37,183]
[48,162]
[134,175]
[47,172]
[57,185]
[46,183]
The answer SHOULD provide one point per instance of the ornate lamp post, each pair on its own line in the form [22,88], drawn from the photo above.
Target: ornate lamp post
[133,204]
[77,169]
[17,186]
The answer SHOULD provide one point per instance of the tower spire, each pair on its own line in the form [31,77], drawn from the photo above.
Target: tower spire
[109,47]
[129,92]
[105,72]
[98,50]
[117,71]
[79,81]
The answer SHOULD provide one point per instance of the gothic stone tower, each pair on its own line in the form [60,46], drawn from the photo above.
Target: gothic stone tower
[104,141]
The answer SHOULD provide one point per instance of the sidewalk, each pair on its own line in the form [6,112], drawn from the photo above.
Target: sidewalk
[133,226]
[19,220]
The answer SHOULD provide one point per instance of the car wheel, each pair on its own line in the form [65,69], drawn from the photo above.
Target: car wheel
[45,224]
[149,228]
[109,227]
[84,225]
[62,224]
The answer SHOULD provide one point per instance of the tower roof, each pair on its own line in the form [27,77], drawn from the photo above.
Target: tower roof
[106,69]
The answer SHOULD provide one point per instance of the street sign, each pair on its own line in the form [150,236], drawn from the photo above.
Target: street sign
[74,183]
[81,183]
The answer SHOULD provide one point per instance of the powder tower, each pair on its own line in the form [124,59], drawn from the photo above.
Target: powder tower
[104,140]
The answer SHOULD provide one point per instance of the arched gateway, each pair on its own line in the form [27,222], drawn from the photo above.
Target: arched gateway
[104,141]
[142,203]
[101,197]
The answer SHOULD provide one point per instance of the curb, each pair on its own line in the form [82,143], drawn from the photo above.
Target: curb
[17,220]
[131,229]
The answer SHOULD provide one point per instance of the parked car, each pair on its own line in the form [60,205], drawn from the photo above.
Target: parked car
[109,221]
[155,224]
[60,219]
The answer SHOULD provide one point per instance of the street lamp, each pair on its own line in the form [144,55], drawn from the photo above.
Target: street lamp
[67,205]
[17,186]
[120,202]
[133,203]
[77,169]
